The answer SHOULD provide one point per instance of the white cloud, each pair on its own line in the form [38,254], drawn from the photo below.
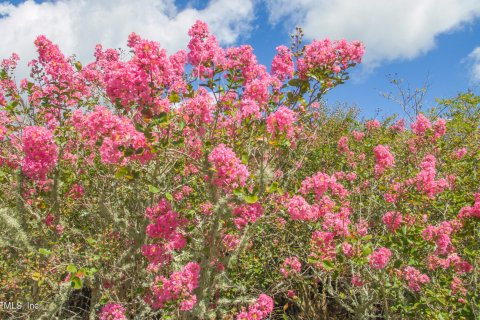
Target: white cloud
[78,25]
[474,58]
[390,29]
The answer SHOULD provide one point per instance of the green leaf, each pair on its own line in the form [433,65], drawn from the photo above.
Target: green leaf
[327,264]
[76,283]
[121,172]
[44,251]
[91,241]
[273,187]
[238,192]
[153,189]
[250,199]
[71,268]
[245,158]
[367,249]
[169,196]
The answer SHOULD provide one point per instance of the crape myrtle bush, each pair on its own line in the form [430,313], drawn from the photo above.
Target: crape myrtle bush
[201,186]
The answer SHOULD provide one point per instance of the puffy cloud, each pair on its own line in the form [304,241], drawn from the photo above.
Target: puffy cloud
[474,58]
[393,29]
[78,25]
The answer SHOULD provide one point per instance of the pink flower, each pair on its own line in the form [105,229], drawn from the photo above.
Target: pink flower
[343,144]
[421,125]
[299,209]
[460,153]
[290,265]
[325,54]
[323,245]
[347,249]
[112,311]
[392,219]
[282,64]
[247,213]
[282,121]
[230,172]
[178,288]
[259,310]
[439,128]
[471,211]
[383,159]
[41,152]
[372,125]
[457,286]
[415,278]
[357,281]
[379,258]
[425,180]
[399,126]
[358,135]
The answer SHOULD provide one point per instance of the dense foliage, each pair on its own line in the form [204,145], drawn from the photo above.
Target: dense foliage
[200,185]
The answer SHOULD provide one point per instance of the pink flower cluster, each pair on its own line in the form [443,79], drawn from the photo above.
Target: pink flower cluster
[289,266]
[281,121]
[282,64]
[320,183]
[439,128]
[323,245]
[415,278]
[399,126]
[379,258]
[230,172]
[41,152]
[460,153]
[299,209]
[452,260]
[425,180]
[166,227]
[336,56]
[247,213]
[441,236]
[392,220]
[4,121]
[259,310]
[372,125]
[420,125]
[57,72]
[115,133]
[383,159]
[471,211]
[112,311]
[457,286]
[358,135]
[178,288]
[199,109]
[143,80]
[204,49]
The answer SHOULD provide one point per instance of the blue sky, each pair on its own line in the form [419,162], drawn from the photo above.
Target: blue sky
[418,40]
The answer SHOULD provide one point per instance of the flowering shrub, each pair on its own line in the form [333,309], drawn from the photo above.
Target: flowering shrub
[134,179]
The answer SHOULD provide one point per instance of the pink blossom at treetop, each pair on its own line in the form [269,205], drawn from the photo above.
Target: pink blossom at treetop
[421,125]
[282,64]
